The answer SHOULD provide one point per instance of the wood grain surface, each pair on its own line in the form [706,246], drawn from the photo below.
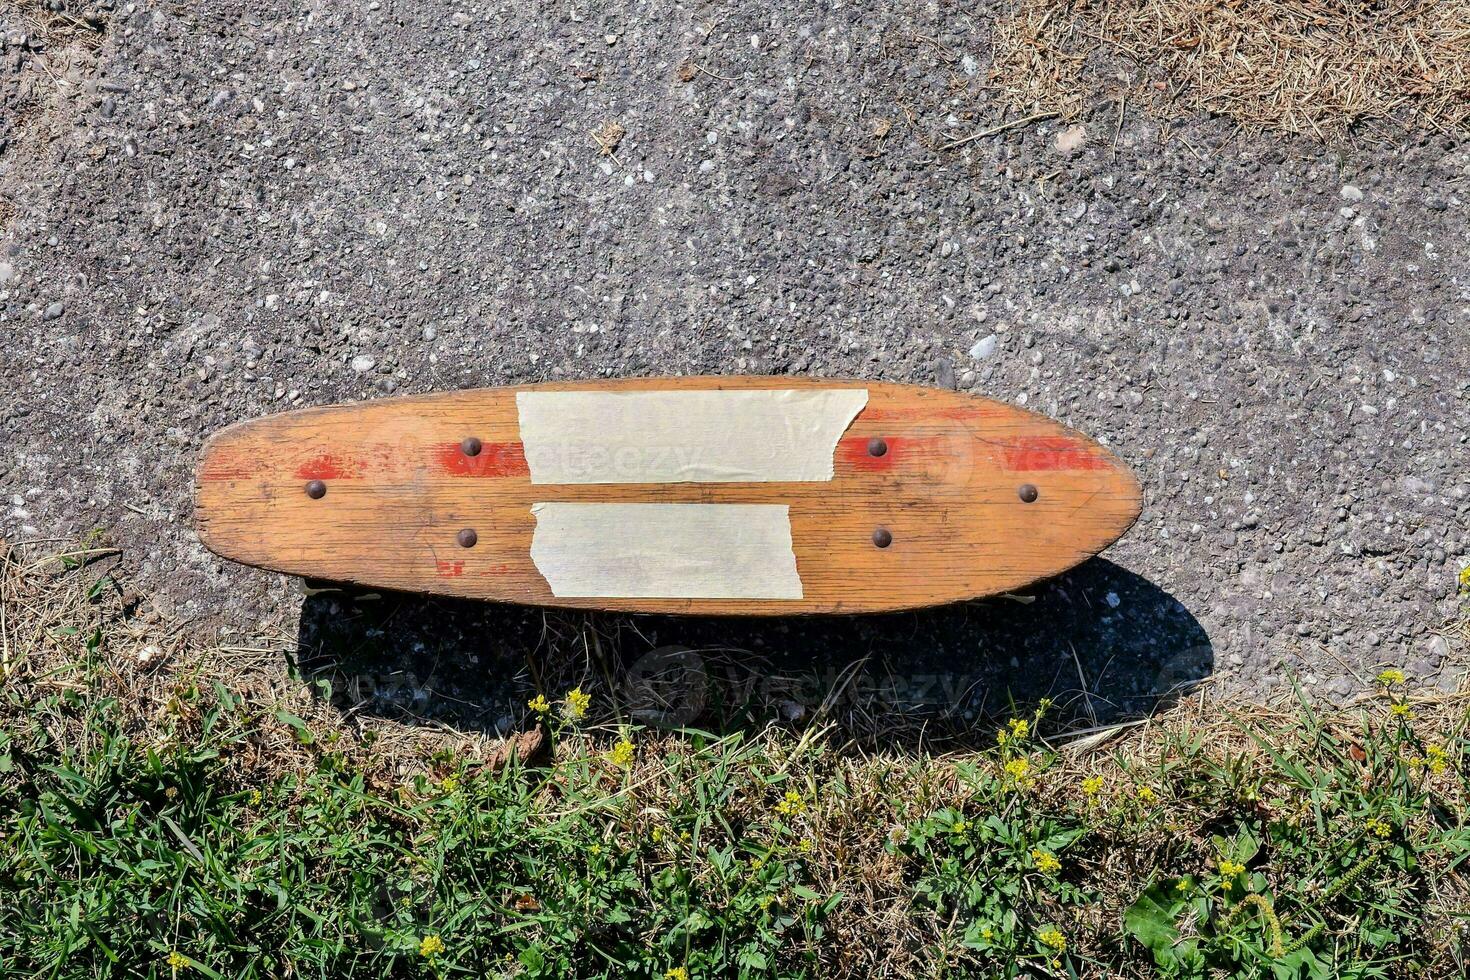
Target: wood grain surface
[400,489]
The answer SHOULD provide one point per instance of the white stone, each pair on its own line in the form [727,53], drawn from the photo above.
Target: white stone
[984,347]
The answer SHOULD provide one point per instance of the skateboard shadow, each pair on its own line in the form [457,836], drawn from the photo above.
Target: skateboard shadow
[1103,644]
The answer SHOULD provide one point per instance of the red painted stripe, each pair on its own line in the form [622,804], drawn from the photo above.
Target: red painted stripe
[1050,453]
[330,466]
[223,466]
[853,452]
[450,569]
[496,459]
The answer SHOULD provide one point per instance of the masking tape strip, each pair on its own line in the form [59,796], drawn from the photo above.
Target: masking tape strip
[665,551]
[741,436]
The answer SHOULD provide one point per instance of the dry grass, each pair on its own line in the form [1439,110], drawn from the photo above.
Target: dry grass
[1318,67]
[53,604]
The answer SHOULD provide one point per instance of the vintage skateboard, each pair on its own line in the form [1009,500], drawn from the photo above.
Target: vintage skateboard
[743,495]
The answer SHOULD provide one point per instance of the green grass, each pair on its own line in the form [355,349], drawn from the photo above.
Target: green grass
[185,817]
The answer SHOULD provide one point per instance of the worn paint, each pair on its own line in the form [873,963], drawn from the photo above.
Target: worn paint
[496,459]
[220,465]
[1035,453]
[332,466]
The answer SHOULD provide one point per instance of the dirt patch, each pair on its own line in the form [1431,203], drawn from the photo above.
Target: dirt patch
[48,71]
[1317,67]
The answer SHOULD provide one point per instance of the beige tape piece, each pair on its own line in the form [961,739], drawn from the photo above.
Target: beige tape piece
[666,551]
[754,436]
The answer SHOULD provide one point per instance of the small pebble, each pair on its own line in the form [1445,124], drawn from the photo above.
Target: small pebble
[984,347]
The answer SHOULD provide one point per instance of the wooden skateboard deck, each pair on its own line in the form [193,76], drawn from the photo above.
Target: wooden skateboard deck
[718,495]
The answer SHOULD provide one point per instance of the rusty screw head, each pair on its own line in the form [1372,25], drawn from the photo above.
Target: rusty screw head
[1027,492]
[467,538]
[882,537]
[471,446]
[877,447]
[316,489]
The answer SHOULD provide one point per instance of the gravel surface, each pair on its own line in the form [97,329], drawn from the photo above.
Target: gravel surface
[213,213]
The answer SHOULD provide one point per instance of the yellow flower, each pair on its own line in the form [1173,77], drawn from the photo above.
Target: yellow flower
[1001,737]
[1182,885]
[595,849]
[658,834]
[1018,768]
[177,961]
[1229,869]
[791,805]
[1465,578]
[621,754]
[255,797]
[431,946]
[1378,828]
[806,845]
[1052,936]
[1145,794]
[677,973]
[539,704]
[1436,757]
[450,784]
[1401,710]
[1046,862]
[576,703]
[1020,727]
[1391,676]
[1092,785]
[959,827]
